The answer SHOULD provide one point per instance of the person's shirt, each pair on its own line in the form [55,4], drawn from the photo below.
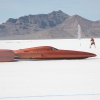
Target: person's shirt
[92,40]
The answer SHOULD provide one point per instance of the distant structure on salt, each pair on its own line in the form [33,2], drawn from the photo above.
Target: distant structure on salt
[79,33]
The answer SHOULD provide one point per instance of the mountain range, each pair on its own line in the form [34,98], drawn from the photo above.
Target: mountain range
[54,25]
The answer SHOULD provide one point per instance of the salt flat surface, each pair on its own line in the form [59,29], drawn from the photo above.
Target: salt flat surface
[51,79]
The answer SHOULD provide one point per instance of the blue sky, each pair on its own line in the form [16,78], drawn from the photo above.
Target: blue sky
[89,9]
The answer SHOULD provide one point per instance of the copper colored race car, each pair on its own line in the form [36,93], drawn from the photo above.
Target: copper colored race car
[6,55]
[49,52]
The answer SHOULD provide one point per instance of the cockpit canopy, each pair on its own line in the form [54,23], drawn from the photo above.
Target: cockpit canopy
[54,48]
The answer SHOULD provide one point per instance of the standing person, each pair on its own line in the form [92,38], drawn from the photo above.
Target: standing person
[92,42]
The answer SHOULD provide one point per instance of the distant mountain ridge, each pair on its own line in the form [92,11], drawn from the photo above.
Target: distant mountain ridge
[54,25]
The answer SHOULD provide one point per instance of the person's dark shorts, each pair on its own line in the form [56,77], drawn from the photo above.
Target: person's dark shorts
[92,43]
